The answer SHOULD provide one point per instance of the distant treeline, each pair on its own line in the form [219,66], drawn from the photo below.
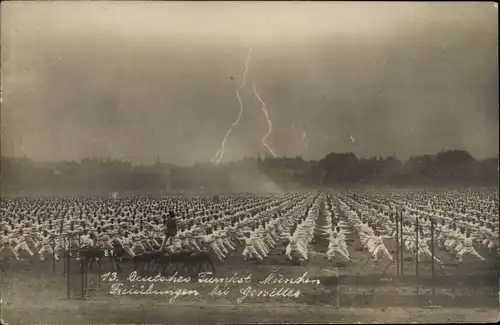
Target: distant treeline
[446,167]
[99,176]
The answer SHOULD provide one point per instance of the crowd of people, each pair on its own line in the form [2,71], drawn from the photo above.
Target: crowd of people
[49,226]
[251,225]
[459,223]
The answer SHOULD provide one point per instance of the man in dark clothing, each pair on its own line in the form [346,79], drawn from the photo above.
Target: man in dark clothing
[171,224]
[170,229]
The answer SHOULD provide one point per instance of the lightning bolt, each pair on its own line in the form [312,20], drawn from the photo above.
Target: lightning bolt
[220,153]
[264,109]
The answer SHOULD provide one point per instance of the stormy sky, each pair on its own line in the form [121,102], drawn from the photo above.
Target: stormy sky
[137,80]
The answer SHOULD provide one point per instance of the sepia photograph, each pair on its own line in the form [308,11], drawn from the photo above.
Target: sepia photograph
[236,162]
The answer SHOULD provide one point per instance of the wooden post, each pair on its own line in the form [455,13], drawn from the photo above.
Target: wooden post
[66,256]
[401,243]
[416,259]
[432,256]
[67,262]
[397,244]
[53,255]
[83,276]
[338,293]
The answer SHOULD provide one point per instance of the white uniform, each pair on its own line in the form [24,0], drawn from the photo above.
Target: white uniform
[468,249]
[22,245]
[296,246]
[249,250]
[337,245]
[6,243]
[209,240]
[126,245]
[46,248]
[379,246]
[423,249]
[86,241]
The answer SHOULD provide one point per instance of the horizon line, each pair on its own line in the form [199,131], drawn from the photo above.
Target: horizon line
[158,161]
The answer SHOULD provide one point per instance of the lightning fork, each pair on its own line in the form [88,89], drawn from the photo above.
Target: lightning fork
[264,109]
[220,153]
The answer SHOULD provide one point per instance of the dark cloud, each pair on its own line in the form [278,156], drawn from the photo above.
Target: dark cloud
[140,80]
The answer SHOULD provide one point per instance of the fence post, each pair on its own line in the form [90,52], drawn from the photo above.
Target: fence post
[66,256]
[53,255]
[401,244]
[416,259]
[397,243]
[337,280]
[67,262]
[432,256]
[83,276]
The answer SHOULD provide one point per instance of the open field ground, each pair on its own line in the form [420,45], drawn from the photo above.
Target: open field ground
[357,291]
